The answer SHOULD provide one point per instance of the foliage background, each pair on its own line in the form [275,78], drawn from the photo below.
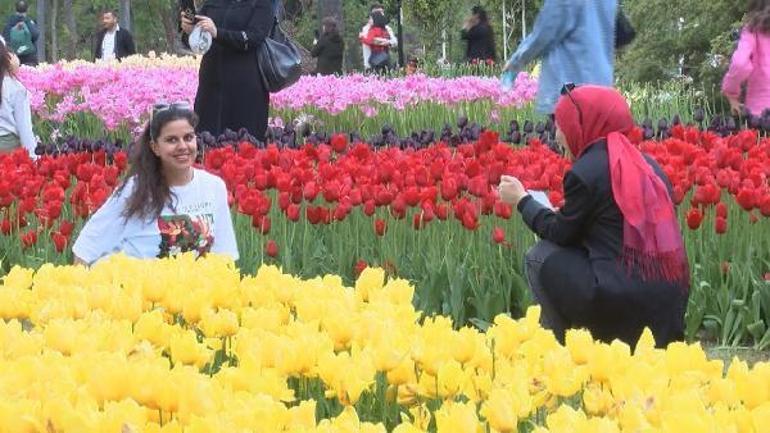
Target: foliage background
[690,37]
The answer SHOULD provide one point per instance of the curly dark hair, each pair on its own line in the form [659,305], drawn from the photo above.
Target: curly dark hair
[151,191]
[758,17]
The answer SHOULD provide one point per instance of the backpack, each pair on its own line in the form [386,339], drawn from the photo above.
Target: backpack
[21,39]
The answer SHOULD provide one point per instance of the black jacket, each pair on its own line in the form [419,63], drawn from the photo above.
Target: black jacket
[586,281]
[231,94]
[124,44]
[329,50]
[481,42]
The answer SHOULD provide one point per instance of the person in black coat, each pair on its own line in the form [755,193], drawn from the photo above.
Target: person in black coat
[480,37]
[612,259]
[231,94]
[329,49]
[113,42]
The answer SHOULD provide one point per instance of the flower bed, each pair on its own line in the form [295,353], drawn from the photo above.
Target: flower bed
[85,98]
[185,345]
[429,214]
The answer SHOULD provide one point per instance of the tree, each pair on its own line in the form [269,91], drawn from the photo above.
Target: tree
[41,17]
[71,28]
[682,37]
[125,14]
[54,31]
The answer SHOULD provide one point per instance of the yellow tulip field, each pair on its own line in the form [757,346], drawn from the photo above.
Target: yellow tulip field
[186,345]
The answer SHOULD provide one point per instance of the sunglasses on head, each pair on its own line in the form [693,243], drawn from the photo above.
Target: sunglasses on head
[163,106]
[567,90]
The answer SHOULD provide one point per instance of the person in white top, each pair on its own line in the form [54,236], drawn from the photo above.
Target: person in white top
[165,206]
[15,111]
[391,42]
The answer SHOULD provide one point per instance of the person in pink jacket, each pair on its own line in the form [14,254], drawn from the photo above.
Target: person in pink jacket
[751,62]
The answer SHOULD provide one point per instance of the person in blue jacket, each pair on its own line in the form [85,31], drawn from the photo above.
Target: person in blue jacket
[575,40]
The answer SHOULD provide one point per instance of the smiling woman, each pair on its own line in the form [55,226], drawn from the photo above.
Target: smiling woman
[165,206]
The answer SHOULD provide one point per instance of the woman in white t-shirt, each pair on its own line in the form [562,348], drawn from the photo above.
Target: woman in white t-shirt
[15,110]
[165,206]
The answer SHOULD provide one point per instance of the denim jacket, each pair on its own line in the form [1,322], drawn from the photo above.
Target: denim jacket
[576,40]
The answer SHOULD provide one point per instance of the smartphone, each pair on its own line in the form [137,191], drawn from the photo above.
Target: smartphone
[187,7]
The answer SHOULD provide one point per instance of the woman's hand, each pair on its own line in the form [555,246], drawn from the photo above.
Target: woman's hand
[735,105]
[207,24]
[511,190]
[187,24]
[14,62]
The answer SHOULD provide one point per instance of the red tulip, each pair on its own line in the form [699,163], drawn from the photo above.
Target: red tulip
[470,221]
[721,210]
[359,267]
[261,223]
[498,235]
[5,226]
[292,212]
[764,206]
[339,142]
[271,248]
[380,227]
[28,239]
[66,227]
[721,226]
[369,208]
[745,199]
[694,218]
[417,221]
[59,241]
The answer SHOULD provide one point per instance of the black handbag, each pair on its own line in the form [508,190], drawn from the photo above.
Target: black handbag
[624,31]
[280,62]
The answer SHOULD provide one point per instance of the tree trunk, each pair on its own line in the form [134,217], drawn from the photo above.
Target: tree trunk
[125,14]
[331,8]
[72,32]
[169,19]
[41,17]
[54,35]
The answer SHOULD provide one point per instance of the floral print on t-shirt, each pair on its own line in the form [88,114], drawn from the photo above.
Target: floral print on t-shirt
[183,233]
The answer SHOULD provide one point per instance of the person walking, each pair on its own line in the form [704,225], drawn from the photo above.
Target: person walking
[112,42]
[575,40]
[21,34]
[480,38]
[750,64]
[329,49]
[230,93]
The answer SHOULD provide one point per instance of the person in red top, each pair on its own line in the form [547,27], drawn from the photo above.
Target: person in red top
[380,58]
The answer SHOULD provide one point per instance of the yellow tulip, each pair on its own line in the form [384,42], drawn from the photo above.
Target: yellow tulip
[456,417]
[499,411]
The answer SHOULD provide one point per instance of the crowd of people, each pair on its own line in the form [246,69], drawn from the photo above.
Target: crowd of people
[611,259]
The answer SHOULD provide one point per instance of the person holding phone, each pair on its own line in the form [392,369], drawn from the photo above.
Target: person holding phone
[612,259]
[230,93]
